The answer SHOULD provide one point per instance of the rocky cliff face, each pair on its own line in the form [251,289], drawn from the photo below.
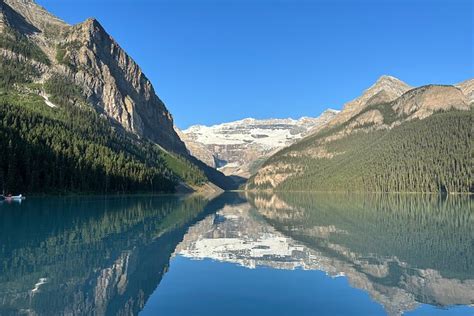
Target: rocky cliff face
[467,88]
[238,148]
[29,18]
[88,56]
[424,101]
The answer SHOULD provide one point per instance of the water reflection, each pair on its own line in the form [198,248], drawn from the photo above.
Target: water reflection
[89,256]
[106,256]
[402,249]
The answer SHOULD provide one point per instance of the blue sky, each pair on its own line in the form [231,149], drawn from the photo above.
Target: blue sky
[214,61]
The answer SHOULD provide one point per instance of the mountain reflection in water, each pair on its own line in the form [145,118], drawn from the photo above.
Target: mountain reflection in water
[108,255]
[402,249]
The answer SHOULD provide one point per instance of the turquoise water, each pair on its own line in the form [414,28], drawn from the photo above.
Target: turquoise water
[285,254]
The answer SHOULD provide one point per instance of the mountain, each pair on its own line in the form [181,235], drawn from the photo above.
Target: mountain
[239,148]
[91,59]
[392,138]
[84,104]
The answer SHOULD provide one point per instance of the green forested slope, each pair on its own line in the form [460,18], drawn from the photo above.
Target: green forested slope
[18,43]
[72,149]
[53,150]
[429,155]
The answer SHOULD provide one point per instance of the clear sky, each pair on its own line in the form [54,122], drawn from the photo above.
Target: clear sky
[213,61]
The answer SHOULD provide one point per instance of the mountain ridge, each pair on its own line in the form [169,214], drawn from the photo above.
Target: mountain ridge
[252,119]
[356,150]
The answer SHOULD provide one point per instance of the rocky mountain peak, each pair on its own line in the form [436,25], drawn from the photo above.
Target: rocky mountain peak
[92,30]
[93,35]
[91,25]
[386,79]
[385,89]
[35,15]
[391,87]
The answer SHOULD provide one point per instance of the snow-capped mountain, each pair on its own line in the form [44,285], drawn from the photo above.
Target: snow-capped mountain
[238,148]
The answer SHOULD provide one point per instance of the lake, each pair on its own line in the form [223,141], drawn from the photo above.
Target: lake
[238,254]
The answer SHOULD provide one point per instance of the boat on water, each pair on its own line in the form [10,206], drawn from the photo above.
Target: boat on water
[12,197]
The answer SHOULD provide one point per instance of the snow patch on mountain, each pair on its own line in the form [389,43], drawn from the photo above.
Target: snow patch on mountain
[237,146]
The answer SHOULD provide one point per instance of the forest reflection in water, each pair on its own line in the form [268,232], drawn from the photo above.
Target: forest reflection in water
[404,249]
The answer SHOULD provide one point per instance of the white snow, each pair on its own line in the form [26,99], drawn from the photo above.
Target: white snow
[47,101]
[40,282]
[269,134]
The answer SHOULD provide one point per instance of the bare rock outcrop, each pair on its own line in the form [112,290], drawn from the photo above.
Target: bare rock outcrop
[467,88]
[386,89]
[424,101]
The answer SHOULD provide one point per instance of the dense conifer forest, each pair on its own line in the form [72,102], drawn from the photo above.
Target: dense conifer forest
[429,155]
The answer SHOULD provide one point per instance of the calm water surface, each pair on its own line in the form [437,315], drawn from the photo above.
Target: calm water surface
[285,254]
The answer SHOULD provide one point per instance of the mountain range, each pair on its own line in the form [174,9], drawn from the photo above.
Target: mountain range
[77,114]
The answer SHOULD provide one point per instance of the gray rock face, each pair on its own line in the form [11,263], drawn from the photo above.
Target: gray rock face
[29,18]
[118,85]
[91,58]
[35,14]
